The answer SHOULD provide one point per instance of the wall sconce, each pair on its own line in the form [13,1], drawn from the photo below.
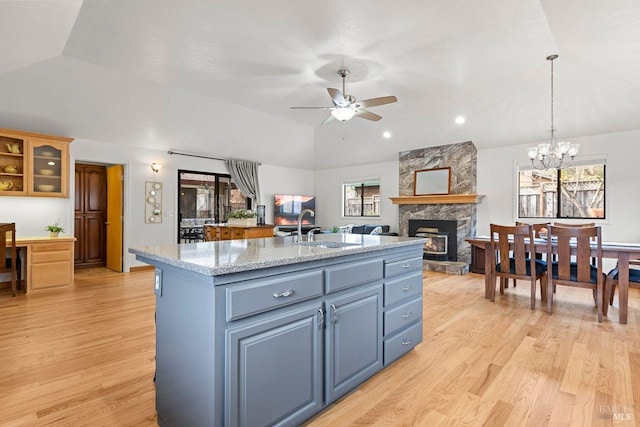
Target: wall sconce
[155,167]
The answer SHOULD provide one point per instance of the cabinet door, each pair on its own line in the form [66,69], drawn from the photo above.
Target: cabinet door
[274,368]
[50,168]
[353,345]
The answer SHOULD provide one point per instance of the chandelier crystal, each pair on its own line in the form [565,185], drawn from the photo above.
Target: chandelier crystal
[552,154]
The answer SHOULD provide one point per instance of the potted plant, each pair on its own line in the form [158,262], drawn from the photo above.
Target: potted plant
[243,218]
[54,230]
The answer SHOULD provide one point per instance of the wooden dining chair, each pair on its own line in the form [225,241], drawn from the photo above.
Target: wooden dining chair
[8,231]
[612,281]
[508,261]
[575,271]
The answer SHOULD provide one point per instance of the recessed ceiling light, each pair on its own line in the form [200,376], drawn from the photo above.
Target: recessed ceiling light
[386,134]
[460,120]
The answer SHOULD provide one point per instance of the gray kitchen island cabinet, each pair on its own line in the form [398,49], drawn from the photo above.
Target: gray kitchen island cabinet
[273,333]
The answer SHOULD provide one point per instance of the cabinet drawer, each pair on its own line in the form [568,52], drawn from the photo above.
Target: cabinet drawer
[257,296]
[398,267]
[225,233]
[399,317]
[50,247]
[51,275]
[402,288]
[402,343]
[353,274]
[44,257]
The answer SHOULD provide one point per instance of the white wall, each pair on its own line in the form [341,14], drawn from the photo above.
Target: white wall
[497,180]
[328,190]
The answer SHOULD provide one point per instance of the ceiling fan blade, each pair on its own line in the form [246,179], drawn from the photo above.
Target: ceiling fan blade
[337,97]
[328,119]
[377,101]
[311,108]
[364,114]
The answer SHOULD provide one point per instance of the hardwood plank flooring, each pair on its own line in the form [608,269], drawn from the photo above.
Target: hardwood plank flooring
[86,357]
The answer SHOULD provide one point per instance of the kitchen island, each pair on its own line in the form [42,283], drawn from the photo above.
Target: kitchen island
[270,332]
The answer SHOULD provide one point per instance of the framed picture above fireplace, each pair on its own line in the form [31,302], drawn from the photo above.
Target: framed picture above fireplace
[432,181]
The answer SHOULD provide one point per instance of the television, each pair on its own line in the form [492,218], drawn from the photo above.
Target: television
[287,207]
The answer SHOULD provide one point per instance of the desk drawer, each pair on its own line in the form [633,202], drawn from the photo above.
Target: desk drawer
[404,266]
[402,288]
[50,247]
[353,274]
[402,343]
[399,317]
[44,257]
[261,295]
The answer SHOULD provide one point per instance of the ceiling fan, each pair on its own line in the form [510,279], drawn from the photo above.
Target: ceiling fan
[345,106]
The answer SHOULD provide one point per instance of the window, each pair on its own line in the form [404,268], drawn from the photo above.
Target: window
[574,192]
[361,199]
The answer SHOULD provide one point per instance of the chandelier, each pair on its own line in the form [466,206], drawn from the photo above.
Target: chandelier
[551,155]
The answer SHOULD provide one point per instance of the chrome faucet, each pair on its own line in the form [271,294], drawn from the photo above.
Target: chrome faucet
[310,212]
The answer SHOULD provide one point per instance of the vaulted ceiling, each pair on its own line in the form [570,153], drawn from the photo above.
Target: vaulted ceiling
[181,74]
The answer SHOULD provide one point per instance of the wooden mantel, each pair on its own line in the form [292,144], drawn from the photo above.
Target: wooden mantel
[439,199]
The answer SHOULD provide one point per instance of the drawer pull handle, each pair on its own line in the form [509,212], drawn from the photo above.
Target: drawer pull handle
[405,266]
[407,341]
[406,288]
[284,294]
[406,315]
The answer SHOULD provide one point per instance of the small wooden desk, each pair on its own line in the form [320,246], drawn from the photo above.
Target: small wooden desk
[49,262]
[613,250]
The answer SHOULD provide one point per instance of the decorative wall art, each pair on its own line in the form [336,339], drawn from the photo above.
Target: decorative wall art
[153,202]
[432,181]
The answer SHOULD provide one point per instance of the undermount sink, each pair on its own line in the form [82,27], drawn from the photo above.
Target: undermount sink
[323,244]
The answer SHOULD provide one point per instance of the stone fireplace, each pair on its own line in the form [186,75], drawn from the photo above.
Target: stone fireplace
[462,159]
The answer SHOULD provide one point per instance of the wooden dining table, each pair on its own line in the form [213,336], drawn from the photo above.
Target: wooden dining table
[620,251]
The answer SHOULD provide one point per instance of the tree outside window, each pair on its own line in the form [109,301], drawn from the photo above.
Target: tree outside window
[361,199]
[574,192]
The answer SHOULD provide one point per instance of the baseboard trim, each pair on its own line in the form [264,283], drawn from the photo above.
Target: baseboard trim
[141,268]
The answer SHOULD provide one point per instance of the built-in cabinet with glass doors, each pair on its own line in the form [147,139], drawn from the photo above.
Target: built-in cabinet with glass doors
[33,164]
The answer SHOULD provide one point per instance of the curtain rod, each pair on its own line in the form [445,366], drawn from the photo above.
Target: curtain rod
[202,156]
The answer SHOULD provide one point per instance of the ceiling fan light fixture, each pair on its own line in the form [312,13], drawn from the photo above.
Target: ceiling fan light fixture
[343,114]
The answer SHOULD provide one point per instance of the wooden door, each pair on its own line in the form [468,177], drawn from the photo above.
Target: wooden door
[114,217]
[90,215]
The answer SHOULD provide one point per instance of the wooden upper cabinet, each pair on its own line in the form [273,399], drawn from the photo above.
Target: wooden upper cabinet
[33,164]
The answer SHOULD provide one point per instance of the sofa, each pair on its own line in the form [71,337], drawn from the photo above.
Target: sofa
[368,228]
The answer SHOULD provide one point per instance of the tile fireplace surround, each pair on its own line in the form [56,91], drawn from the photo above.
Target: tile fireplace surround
[462,158]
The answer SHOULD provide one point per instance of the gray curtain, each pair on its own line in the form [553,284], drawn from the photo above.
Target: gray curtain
[245,174]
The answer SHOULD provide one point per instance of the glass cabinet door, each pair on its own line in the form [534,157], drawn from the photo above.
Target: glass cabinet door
[49,169]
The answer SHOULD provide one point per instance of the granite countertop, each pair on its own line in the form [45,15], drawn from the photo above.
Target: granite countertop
[233,256]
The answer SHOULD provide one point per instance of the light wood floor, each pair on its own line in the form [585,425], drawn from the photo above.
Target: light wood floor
[86,357]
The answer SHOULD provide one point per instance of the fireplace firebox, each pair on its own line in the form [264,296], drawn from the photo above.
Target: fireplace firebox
[440,238]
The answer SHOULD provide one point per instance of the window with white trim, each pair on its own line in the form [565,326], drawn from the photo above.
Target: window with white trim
[574,192]
[361,198]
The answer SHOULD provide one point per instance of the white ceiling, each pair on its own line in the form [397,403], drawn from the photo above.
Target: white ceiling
[166,71]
